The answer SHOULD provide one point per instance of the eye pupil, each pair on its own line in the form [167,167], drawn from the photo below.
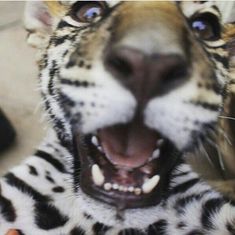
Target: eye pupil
[92,13]
[203,29]
[199,25]
[206,27]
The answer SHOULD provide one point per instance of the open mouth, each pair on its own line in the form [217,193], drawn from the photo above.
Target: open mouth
[126,166]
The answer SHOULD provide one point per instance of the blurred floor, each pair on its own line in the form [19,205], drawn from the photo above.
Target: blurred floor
[19,97]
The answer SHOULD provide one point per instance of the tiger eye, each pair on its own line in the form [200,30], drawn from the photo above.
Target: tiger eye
[206,27]
[87,12]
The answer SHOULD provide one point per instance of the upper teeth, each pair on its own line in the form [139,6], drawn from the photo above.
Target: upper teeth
[97,175]
[107,186]
[99,179]
[150,184]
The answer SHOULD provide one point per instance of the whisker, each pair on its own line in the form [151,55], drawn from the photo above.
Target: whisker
[227,117]
[219,129]
[220,157]
[225,135]
[201,146]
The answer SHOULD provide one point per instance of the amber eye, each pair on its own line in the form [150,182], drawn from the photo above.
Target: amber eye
[206,27]
[88,11]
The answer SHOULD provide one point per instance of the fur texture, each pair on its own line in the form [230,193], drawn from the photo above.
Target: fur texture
[43,195]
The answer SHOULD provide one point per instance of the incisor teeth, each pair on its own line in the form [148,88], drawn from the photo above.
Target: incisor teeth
[107,186]
[121,188]
[137,191]
[150,184]
[131,189]
[125,189]
[94,141]
[115,186]
[97,175]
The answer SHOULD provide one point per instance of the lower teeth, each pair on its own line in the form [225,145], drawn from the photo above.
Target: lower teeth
[131,189]
[147,187]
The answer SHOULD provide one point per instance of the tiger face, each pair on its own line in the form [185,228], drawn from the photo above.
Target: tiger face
[130,87]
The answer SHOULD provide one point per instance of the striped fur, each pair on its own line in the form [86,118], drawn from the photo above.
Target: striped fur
[42,196]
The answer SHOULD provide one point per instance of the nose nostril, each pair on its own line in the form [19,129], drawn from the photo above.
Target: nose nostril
[120,66]
[176,73]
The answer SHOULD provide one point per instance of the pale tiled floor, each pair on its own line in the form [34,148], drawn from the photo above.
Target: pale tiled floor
[19,98]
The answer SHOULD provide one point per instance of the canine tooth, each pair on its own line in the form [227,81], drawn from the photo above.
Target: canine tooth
[97,175]
[121,188]
[156,154]
[107,186]
[100,149]
[137,191]
[94,140]
[150,184]
[115,186]
[130,189]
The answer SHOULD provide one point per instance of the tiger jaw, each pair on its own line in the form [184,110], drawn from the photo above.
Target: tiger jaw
[121,180]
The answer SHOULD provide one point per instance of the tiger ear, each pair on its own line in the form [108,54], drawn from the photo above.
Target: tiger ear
[38,22]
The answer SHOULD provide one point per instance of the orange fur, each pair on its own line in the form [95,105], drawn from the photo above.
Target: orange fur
[56,9]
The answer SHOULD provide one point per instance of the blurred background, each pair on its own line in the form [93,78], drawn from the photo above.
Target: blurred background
[19,96]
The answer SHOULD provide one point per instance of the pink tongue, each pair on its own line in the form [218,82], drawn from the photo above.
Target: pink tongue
[128,145]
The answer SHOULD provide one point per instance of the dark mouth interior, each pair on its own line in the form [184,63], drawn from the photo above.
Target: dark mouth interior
[126,165]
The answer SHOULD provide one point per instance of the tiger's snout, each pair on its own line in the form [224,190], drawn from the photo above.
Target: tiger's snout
[146,75]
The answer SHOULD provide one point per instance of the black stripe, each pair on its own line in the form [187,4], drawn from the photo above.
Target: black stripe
[181,188]
[65,100]
[50,179]
[14,181]
[195,232]
[32,170]
[7,210]
[180,174]
[158,228]
[212,107]
[87,216]
[58,189]
[63,24]
[59,40]
[100,229]
[231,228]
[216,8]
[222,59]
[49,158]
[76,83]
[48,216]
[20,232]
[52,72]
[183,202]
[77,231]
[210,208]
[131,231]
